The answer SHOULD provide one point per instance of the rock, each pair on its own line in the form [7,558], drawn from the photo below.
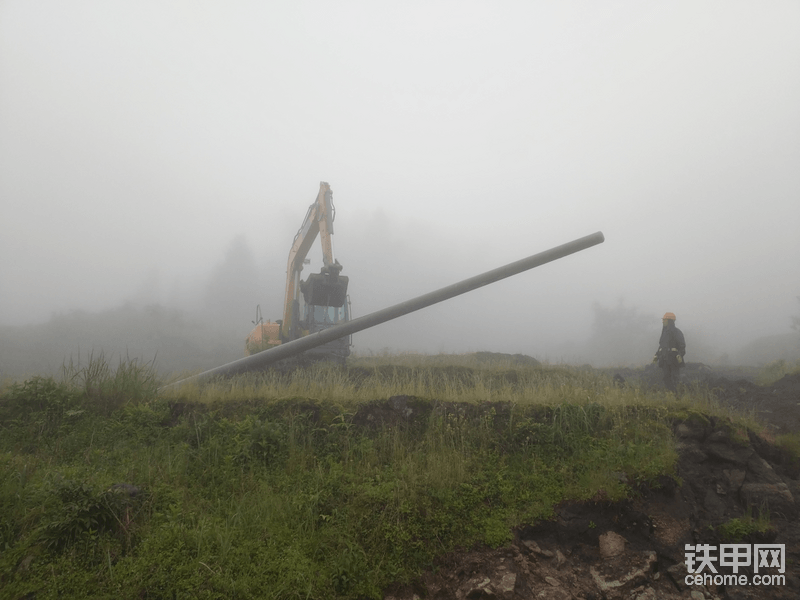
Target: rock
[553,593]
[734,478]
[690,431]
[794,487]
[620,476]
[534,547]
[677,574]
[126,489]
[611,544]
[691,453]
[507,583]
[615,579]
[25,563]
[759,471]
[774,497]
[725,452]
[479,588]
[719,435]
[714,505]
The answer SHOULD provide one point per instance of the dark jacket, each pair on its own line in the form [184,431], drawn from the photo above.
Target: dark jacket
[671,337]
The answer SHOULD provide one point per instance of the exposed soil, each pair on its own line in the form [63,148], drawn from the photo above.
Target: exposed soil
[636,549]
[776,405]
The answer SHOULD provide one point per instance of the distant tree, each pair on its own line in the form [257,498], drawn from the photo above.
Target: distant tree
[231,294]
[796,320]
[622,336]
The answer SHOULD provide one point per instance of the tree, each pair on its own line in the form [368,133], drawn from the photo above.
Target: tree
[622,336]
[231,294]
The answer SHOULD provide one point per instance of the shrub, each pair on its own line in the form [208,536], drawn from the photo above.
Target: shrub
[742,528]
[80,515]
[40,401]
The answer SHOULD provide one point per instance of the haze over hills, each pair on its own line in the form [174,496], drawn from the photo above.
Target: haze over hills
[181,340]
[138,139]
[205,324]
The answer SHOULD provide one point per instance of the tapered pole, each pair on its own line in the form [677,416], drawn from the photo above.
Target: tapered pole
[289,349]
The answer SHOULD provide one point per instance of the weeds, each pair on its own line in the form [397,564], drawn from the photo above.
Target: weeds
[741,528]
[108,389]
[280,485]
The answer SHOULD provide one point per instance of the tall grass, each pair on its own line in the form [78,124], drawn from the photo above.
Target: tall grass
[305,484]
[445,382]
[108,388]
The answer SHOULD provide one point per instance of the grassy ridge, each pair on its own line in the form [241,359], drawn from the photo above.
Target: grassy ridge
[309,484]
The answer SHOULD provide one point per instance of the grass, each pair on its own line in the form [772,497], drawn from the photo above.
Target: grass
[742,528]
[774,371]
[306,484]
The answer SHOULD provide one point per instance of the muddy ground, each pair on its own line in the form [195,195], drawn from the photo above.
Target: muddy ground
[636,549]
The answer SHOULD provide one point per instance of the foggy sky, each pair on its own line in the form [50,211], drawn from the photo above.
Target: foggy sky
[139,139]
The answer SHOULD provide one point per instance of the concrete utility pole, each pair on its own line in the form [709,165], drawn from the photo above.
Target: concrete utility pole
[295,347]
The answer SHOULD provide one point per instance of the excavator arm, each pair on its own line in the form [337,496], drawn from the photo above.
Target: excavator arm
[317,302]
[318,221]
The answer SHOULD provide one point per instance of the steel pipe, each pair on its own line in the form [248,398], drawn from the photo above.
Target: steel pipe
[295,347]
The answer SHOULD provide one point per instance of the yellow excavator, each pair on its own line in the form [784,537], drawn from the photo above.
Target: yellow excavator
[319,302]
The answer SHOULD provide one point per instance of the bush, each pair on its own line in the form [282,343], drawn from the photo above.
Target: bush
[80,515]
[40,401]
[739,529]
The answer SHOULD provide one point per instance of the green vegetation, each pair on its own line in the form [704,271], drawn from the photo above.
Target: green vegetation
[324,482]
[739,529]
[776,370]
[790,444]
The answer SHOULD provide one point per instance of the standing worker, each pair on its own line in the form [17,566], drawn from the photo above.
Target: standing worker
[671,349]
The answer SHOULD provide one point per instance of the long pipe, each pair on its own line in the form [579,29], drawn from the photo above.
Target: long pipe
[288,349]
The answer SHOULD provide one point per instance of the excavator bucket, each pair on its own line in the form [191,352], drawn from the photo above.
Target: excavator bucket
[325,289]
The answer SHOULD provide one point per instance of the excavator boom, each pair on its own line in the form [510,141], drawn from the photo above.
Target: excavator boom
[318,302]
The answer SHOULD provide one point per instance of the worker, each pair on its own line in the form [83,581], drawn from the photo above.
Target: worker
[671,350]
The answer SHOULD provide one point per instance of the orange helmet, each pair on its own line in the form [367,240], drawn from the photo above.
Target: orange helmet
[669,316]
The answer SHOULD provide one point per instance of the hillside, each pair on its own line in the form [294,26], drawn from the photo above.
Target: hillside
[473,479]
[171,339]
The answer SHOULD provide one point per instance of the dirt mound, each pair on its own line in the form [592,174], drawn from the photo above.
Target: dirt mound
[789,383]
[517,360]
[636,549]
[777,405]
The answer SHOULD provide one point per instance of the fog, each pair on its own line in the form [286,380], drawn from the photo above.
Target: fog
[164,155]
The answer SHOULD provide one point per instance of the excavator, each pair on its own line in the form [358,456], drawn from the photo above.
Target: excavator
[316,303]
